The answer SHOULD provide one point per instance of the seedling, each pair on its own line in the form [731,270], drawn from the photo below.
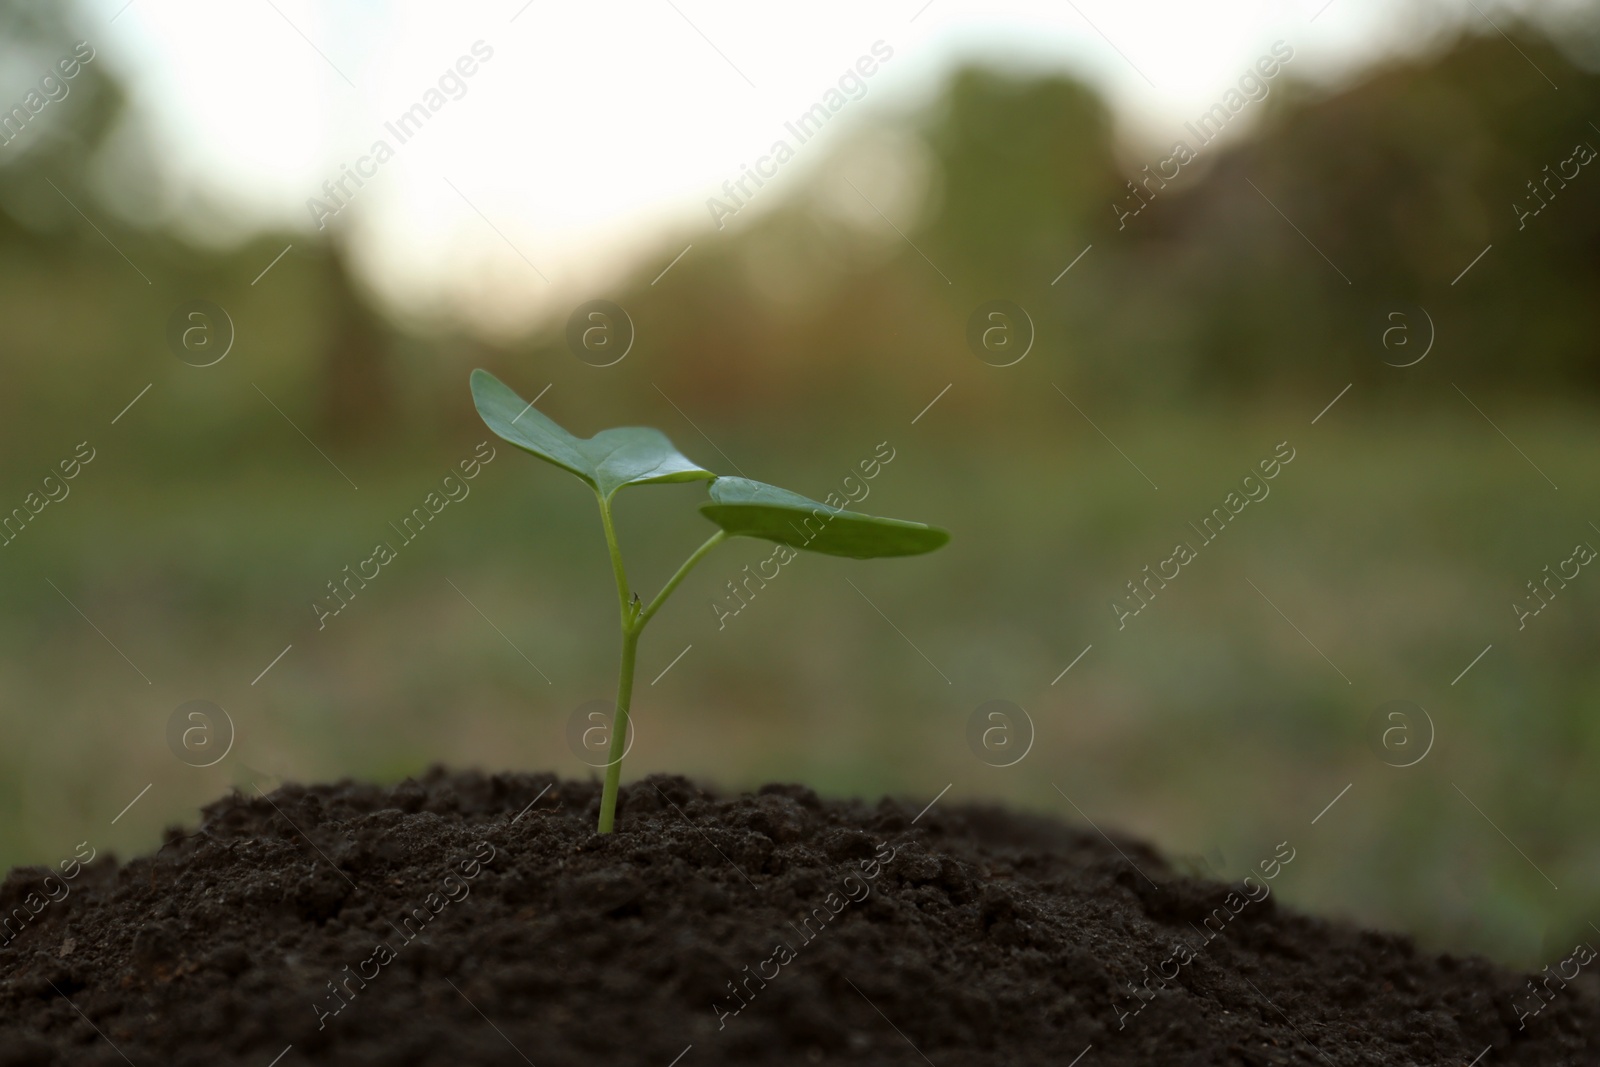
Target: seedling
[636,455]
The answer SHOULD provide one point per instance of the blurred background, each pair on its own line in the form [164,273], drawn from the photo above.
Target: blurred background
[1388,258]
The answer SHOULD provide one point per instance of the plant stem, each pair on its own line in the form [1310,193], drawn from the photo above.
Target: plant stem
[683,572]
[616,557]
[633,624]
[619,729]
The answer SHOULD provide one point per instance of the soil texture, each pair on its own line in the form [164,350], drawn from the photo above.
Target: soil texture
[465,918]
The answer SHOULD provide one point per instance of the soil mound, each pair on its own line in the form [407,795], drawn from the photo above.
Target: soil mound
[472,919]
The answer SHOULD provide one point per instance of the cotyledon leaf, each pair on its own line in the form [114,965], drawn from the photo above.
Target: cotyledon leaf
[749,508]
[611,459]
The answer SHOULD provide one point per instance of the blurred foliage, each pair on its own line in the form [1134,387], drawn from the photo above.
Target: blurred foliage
[1197,336]
[1400,180]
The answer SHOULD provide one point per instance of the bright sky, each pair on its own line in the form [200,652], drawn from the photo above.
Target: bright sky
[595,132]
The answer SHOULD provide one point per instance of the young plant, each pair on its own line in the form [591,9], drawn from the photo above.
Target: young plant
[635,455]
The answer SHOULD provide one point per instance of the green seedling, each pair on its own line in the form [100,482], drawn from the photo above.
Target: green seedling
[637,455]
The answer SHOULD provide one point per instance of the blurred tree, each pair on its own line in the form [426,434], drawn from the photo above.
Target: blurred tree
[1399,182]
[76,312]
[1272,262]
[356,357]
[58,141]
[1393,185]
[1024,170]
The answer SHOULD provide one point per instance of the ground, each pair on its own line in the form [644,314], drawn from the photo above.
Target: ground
[465,918]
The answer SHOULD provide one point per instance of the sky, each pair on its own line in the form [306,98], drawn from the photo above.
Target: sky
[588,138]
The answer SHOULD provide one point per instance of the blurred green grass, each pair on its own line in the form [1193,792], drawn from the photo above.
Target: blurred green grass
[1395,541]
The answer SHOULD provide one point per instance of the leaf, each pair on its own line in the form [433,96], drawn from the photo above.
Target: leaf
[611,459]
[748,508]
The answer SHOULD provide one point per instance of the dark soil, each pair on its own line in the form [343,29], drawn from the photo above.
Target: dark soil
[979,937]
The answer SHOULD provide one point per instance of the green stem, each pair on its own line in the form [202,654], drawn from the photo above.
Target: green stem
[616,557]
[619,730]
[683,572]
[633,624]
